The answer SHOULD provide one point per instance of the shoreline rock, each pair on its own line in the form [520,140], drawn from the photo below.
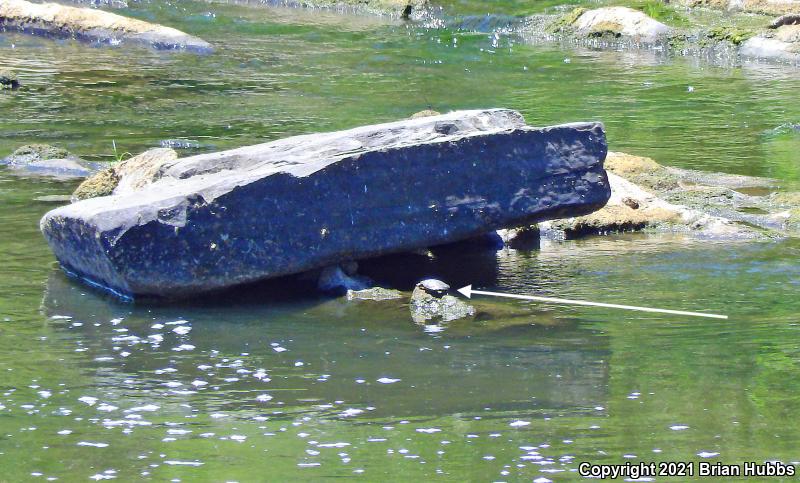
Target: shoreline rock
[88,24]
[781,43]
[649,196]
[212,221]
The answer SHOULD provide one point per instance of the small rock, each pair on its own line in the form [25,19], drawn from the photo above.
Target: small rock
[374,293]
[630,203]
[425,113]
[8,79]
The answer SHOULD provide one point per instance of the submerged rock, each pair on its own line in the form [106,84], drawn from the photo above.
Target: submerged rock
[126,176]
[216,220]
[616,22]
[430,301]
[48,161]
[334,279]
[8,79]
[649,196]
[52,19]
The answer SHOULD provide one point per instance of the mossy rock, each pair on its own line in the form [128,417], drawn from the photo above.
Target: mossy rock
[566,21]
[101,184]
[37,152]
[42,151]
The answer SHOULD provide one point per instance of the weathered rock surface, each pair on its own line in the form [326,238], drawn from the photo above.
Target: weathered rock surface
[216,220]
[47,161]
[781,43]
[93,25]
[126,176]
[619,22]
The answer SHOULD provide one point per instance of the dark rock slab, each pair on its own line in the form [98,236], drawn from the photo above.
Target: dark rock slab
[217,220]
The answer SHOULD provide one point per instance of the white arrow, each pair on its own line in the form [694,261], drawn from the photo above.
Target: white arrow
[468,292]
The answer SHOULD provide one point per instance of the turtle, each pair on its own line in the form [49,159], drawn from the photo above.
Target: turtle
[433,287]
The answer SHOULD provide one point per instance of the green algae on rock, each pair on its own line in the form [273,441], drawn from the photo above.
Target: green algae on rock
[101,183]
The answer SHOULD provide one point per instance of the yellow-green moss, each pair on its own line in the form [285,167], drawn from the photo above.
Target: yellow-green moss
[734,35]
[101,183]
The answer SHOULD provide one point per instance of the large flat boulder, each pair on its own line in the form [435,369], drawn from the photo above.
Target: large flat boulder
[52,19]
[212,221]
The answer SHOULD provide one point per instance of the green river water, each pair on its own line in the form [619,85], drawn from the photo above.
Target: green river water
[267,385]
